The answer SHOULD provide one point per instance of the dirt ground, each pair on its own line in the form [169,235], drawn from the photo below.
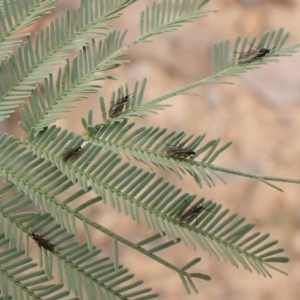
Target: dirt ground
[260,113]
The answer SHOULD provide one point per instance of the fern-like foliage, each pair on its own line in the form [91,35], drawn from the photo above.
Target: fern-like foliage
[149,145]
[134,192]
[76,262]
[225,63]
[34,63]
[169,16]
[71,84]
[96,167]
[13,19]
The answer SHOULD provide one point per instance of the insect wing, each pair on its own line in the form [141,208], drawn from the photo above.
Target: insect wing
[117,108]
[181,152]
[71,153]
[186,215]
[251,55]
[248,56]
[192,212]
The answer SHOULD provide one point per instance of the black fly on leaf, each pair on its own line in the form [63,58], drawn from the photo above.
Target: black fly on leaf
[42,243]
[117,108]
[71,153]
[192,212]
[253,54]
[180,151]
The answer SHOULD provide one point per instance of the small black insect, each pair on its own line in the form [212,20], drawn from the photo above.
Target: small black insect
[71,153]
[180,151]
[117,108]
[253,54]
[42,243]
[192,212]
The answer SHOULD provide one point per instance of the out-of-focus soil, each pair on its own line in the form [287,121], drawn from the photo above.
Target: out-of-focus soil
[260,113]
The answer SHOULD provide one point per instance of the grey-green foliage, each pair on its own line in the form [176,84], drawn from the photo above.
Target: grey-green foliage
[102,169]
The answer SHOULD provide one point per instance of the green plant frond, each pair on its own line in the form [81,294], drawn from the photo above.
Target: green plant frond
[146,145]
[78,264]
[135,105]
[104,173]
[78,27]
[225,63]
[89,18]
[71,85]
[20,277]
[75,261]
[227,237]
[17,86]
[133,108]
[149,145]
[138,247]
[116,136]
[13,19]
[41,181]
[168,16]
[221,236]
[132,190]
[60,171]
[30,66]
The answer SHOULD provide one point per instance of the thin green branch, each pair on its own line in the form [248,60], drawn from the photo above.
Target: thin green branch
[251,175]
[135,247]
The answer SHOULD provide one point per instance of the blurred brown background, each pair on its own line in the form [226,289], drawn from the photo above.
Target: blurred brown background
[260,113]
